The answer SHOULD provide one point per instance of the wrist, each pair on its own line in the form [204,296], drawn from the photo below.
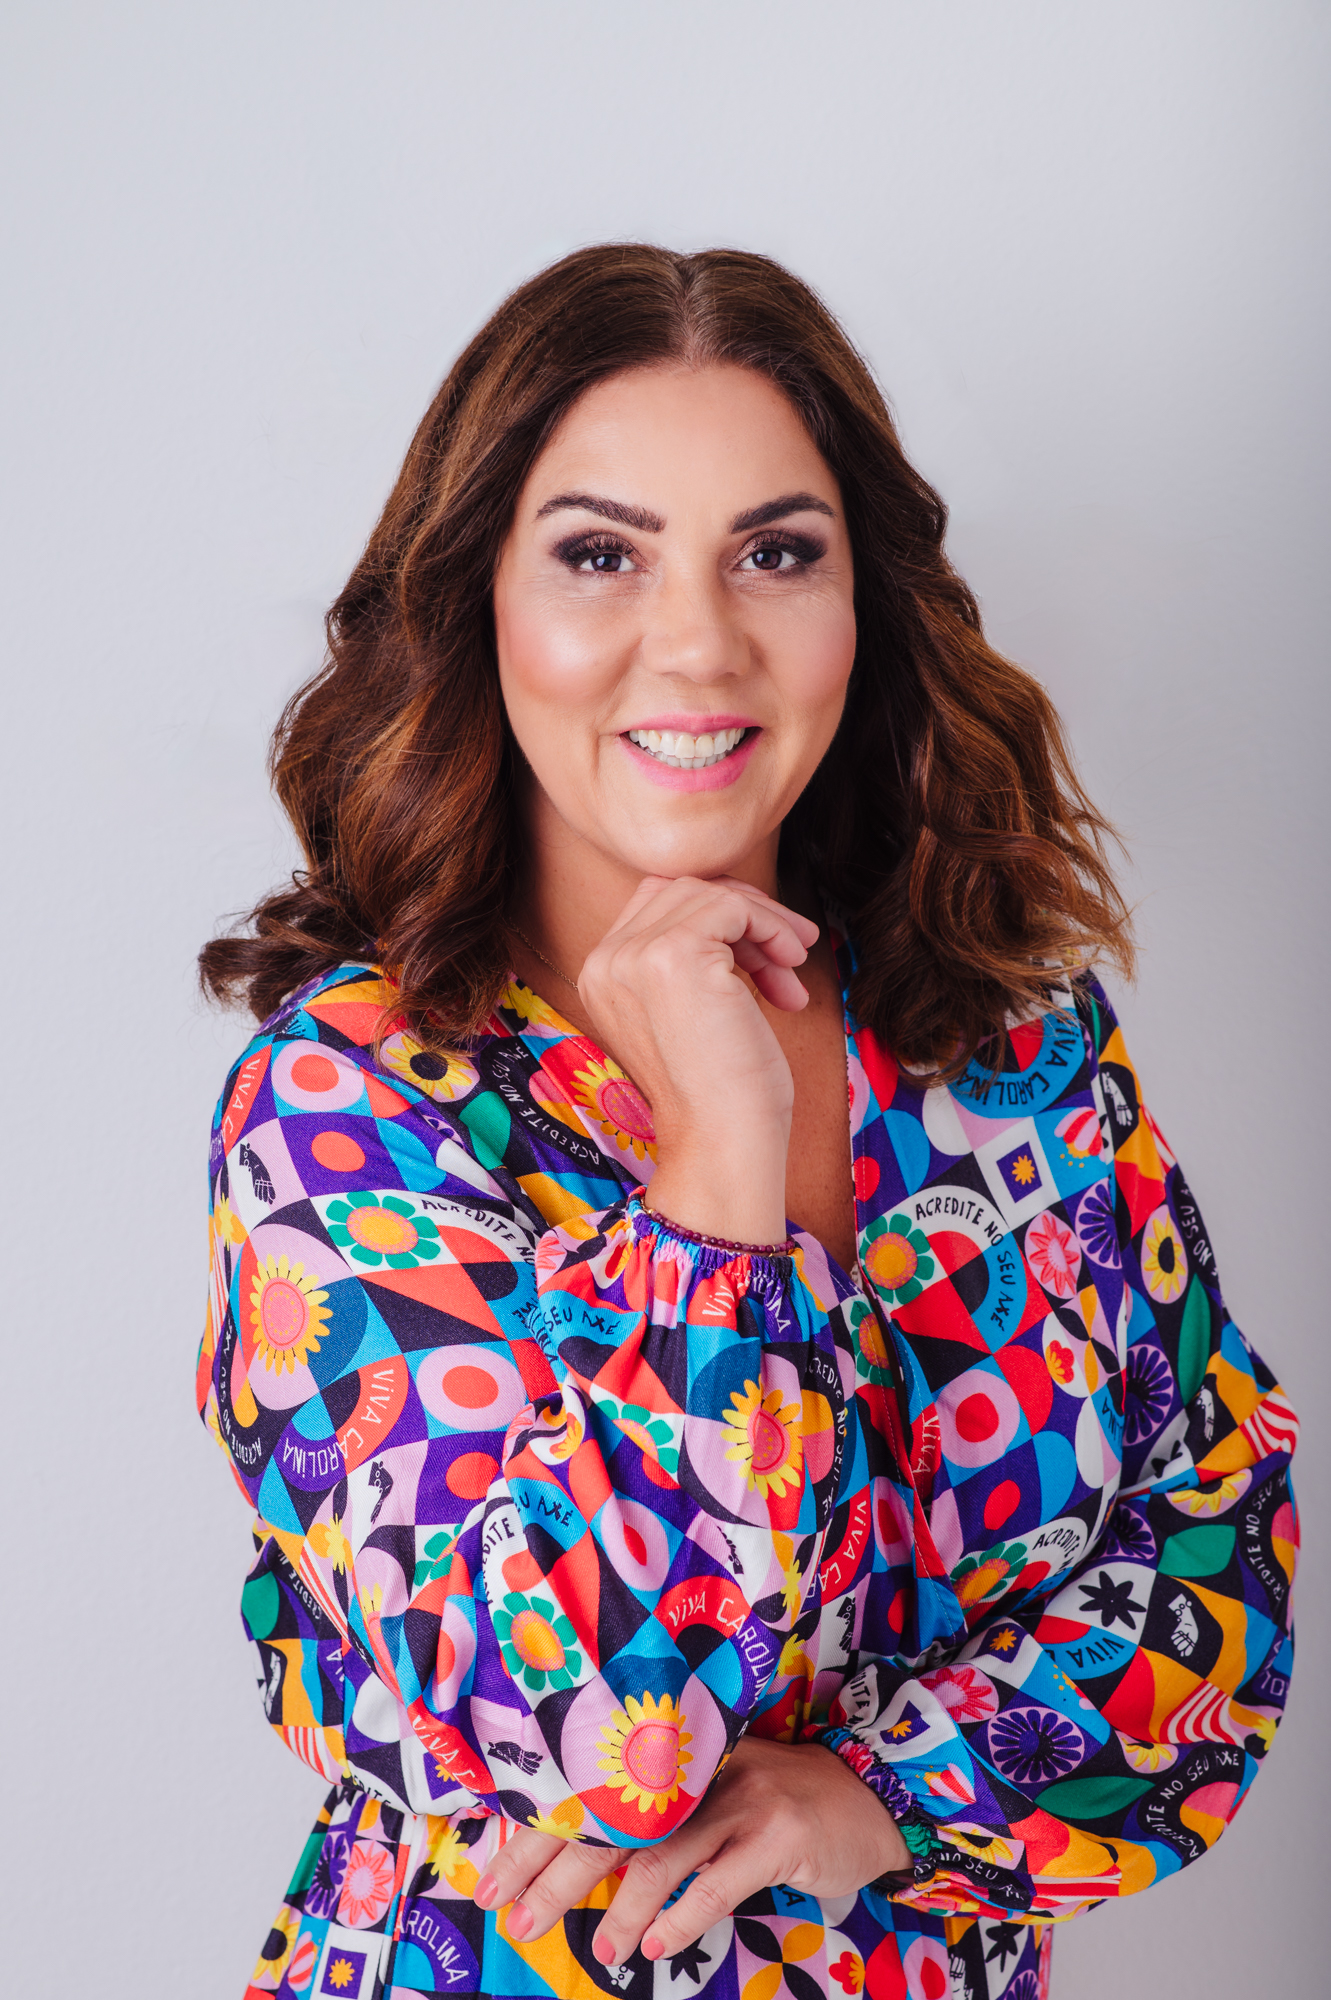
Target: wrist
[737,1200]
[734,1246]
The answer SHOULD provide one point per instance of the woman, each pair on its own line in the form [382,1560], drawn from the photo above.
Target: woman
[661,788]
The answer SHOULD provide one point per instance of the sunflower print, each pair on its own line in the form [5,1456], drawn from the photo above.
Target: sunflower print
[529,1007]
[1164,1259]
[728,1502]
[767,1440]
[1148,1756]
[288,1313]
[441,1075]
[277,1949]
[616,1105]
[645,1752]
[563,1822]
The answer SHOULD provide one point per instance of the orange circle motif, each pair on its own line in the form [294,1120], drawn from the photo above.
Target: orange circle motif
[536,1642]
[470,1476]
[471,1388]
[283,1312]
[314,1074]
[337,1151]
[382,1229]
[651,1756]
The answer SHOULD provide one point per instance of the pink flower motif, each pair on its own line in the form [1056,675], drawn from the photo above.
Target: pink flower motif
[1054,1254]
[367,1886]
[966,1693]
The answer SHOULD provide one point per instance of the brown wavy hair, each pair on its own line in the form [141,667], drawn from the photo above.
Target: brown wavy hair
[946,821]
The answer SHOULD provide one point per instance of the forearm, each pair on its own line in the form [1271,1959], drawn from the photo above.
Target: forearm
[730,1185]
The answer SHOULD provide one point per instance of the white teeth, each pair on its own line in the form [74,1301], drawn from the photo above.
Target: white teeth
[684,752]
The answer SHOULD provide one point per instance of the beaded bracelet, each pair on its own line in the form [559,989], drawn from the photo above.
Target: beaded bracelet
[786,1249]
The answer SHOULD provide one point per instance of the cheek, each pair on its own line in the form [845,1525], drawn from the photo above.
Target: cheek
[550,659]
[811,657]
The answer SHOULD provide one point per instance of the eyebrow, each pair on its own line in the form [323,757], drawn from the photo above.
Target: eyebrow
[648,523]
[641,518]
[775,510]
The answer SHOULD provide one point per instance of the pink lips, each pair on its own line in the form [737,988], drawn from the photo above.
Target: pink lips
[717,776]
[694,724]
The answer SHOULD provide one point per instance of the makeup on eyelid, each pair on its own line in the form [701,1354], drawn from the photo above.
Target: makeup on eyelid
[574,550]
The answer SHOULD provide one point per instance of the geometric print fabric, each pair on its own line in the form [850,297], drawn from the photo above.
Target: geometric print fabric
[552,1503]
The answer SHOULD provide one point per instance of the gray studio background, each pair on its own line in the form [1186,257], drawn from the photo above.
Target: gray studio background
[1083,247]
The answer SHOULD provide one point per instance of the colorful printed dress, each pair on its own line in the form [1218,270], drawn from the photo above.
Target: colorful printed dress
[553,1503]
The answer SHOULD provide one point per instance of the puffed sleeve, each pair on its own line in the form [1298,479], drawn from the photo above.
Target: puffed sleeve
[1089,1742]
[535,1509]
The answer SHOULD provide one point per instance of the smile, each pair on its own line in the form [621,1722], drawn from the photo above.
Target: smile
[683,752]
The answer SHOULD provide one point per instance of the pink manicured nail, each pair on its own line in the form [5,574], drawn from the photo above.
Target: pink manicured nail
[652,1947]
[486,1891]
[603,1949]
[519,1920]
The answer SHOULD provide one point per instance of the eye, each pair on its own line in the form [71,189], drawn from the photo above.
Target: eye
[597,555]
[607,562]
[779,552]
[771,558]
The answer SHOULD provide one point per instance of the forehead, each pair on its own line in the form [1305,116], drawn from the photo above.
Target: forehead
[649,432]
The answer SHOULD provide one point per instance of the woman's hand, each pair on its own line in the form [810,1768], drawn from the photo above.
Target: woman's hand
[663,990]
[778,1812]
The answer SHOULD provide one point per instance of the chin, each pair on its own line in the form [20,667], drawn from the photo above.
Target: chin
[703,858]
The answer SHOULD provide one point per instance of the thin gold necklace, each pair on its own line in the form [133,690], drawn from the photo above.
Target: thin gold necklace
[517,932]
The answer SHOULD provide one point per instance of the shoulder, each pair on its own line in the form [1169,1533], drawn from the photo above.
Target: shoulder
[314,1129]
[332,1070]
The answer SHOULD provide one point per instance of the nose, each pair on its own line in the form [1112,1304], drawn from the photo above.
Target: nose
[692,630]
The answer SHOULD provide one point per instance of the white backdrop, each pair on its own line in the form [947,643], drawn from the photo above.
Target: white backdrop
[1082,247]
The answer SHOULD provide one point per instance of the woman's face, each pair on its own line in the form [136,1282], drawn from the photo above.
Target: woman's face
[675,621]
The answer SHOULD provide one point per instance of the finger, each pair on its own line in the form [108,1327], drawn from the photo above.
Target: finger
[567,1881]
[652,1876]
[717,1889]
[776,983]
[522,1857]
[659,902]
[779,985]
[804,927]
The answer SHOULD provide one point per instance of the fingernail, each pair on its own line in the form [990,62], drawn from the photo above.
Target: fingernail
[485,1891]
[652,1947]
[604,1950]
[519,1920]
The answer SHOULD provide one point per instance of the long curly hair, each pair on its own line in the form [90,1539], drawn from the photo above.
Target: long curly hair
[946,820]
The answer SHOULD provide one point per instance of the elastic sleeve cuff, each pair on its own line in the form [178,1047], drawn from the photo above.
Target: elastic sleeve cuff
[714,1250]
[917,1829]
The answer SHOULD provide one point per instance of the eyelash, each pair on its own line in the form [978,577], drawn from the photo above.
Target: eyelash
[805,548]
